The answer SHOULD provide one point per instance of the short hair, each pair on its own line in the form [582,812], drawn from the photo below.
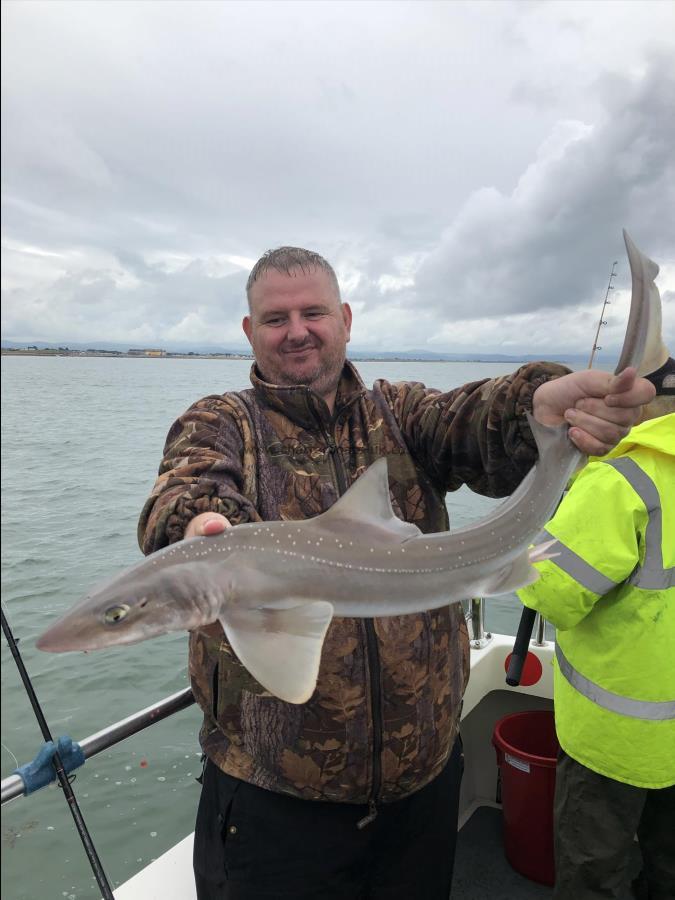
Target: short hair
[286,259]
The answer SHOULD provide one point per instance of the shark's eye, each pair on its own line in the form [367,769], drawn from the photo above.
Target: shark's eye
[115,614]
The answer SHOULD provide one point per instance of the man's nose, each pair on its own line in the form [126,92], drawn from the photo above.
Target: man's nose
[297,328]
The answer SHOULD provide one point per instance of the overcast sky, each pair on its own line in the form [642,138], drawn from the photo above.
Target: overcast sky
[467,167]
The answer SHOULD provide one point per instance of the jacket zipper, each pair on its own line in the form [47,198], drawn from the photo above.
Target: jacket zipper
[373,656]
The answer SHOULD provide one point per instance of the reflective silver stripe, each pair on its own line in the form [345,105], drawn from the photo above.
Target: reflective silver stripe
[576,567]
[625,706]
[654,581]
[651,575]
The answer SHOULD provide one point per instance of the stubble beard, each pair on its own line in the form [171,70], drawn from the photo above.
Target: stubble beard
[323,379]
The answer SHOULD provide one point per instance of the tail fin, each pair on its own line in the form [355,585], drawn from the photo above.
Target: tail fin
[644,347]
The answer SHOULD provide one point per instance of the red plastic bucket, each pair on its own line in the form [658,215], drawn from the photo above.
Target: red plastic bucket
[527,748]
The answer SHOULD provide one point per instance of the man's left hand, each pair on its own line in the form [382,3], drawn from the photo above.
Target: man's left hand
[599,407]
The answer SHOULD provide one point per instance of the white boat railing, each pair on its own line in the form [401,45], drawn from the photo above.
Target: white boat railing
[13,786]
[480,638]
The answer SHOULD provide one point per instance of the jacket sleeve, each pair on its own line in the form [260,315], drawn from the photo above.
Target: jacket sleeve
[477,434]
[598,527]
[207,466]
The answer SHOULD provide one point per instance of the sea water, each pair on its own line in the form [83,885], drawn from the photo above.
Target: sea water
[82,438]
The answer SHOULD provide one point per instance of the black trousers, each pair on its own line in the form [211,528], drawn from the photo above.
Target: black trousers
[252,844]
[596,820]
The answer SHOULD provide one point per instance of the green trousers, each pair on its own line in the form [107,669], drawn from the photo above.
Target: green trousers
[596,820]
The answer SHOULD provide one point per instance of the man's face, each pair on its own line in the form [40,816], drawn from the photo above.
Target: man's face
[299,330]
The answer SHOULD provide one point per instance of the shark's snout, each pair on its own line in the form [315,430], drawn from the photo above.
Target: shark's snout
[59,638]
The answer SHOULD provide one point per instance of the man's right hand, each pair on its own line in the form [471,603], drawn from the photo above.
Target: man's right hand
[207,524]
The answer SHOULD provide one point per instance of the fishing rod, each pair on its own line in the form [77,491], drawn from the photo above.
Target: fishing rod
[603,321]
[528,616]
[14,786]
[64,781]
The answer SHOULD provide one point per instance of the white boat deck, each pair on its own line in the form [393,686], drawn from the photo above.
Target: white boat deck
[167,878]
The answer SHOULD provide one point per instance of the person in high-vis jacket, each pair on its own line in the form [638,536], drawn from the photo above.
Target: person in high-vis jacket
[610,592]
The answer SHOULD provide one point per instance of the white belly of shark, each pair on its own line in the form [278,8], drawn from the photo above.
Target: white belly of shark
[275,586]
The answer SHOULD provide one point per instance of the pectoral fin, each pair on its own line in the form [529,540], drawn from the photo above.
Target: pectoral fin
[520,572]
[513,576]
[281,648]
[539,552]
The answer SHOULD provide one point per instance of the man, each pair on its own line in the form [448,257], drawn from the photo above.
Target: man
[355,793]
[610,592]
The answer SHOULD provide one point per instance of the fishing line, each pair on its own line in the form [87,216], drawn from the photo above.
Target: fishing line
[90,850]
[7,750]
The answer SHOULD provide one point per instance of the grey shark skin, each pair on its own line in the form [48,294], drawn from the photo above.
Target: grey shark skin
[275,586]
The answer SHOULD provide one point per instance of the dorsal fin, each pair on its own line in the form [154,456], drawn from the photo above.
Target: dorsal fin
[368,504]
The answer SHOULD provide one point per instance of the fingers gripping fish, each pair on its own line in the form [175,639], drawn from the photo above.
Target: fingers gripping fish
[275,586]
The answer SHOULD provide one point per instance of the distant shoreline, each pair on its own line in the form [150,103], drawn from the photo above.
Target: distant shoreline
[114,354]
[118,354]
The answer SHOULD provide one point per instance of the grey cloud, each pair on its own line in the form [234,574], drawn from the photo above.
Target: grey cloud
[536,93]
[552,240]
[144,144]
[154,306]
[262,127]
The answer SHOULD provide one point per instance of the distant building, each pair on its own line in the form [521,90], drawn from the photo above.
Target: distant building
[147,352]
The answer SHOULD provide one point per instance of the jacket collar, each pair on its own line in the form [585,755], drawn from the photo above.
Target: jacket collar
[304,407]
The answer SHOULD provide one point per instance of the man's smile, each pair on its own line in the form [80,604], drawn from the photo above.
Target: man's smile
[299,351]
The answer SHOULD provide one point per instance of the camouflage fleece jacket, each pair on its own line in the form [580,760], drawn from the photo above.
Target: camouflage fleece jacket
[385,712]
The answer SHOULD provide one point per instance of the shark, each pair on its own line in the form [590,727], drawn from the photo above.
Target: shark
[276,586]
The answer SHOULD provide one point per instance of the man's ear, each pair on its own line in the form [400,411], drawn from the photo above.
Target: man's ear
[248,328]
[347,318]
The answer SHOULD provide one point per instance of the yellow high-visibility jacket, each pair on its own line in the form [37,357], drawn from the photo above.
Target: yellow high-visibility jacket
[611,595]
